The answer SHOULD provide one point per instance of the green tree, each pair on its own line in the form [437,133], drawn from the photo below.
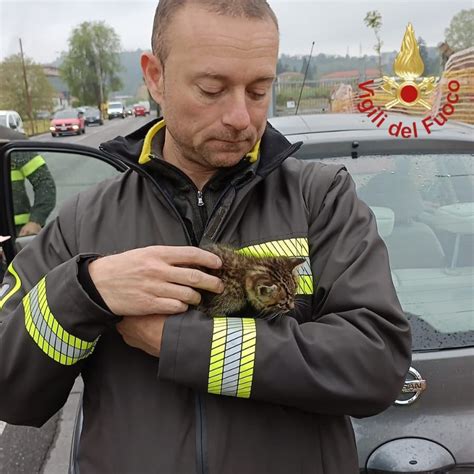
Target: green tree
[460,32]
[373,19]
[12,90]
[91,66]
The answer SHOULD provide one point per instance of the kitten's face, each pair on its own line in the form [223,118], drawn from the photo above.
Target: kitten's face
[272,287]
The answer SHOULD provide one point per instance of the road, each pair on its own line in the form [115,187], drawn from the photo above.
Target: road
[26,450]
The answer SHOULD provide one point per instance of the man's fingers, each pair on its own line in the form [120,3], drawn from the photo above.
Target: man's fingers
[174,255]
[168,306]
[178,292]
[196,279]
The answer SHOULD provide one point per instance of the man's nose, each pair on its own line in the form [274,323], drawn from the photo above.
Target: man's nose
[237,115]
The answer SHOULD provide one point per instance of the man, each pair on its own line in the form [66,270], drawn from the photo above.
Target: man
[167,389]
[29,219]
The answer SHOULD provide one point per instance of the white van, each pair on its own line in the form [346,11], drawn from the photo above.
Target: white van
[11,119]
[115,109]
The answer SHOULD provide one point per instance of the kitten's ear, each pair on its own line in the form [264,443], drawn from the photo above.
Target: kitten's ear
[293,262]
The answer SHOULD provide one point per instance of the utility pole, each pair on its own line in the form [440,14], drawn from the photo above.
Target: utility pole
[27,92]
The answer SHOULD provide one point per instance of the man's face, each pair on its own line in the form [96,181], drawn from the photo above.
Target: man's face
[216,85]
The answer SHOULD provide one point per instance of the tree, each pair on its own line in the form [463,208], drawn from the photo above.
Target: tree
[431,64]
[12,92]
[460,33]
[373,19]
[91,66]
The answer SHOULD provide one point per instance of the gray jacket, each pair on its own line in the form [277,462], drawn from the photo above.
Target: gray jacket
[228,395]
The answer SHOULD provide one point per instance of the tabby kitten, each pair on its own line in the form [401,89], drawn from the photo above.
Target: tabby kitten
[267,284]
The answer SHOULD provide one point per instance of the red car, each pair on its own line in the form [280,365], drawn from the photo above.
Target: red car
[139,110]
[70,121]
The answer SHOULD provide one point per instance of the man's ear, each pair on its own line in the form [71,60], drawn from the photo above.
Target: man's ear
[152,70]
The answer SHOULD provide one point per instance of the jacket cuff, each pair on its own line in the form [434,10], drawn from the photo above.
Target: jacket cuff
[70,304]
[185,349]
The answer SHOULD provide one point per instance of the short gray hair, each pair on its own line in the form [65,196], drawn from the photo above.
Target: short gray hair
[166,10]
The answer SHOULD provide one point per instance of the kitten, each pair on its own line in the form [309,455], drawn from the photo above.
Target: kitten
[267,284]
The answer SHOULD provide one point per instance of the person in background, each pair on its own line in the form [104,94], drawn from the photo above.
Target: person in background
[26,165]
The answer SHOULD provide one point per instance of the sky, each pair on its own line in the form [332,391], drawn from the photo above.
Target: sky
[337,27]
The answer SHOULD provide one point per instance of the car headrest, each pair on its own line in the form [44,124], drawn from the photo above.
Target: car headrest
[395,191]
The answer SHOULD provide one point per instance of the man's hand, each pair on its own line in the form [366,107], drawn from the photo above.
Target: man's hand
[30,228]
[143,332]
[154,280]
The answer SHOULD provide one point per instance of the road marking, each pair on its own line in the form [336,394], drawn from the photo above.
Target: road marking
[2,427]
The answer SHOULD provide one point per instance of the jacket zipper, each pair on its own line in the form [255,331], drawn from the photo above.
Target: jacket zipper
[200,199]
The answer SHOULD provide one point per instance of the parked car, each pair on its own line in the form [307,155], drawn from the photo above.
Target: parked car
[67,122]
[92,116]
[421,192]
[115,109]
[11,119]
[139,111]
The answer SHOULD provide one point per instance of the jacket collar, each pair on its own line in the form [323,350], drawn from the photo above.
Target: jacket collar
[135,148]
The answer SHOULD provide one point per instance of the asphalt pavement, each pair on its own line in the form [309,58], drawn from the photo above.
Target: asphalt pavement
[45,450]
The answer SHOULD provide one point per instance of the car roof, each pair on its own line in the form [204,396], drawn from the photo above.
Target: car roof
[324,123]
[337,135]
[4,112]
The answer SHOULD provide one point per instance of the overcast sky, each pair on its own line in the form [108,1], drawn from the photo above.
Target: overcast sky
[335,26]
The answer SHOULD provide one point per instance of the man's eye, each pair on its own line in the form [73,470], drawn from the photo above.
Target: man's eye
[257,95]
[209,93]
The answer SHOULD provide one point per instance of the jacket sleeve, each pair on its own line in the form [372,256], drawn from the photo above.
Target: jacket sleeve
[350,359]
[48,324]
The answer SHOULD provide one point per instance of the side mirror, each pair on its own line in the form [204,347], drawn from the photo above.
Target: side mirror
[13,126]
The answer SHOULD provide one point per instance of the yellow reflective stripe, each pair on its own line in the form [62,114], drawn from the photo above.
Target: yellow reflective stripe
[21,219]
[217,355]
[298,247]
[48,334]
[305,285]
[32,165]
[279,248]
[146,149]
[247,360]
[15,288]
[16,175]
[253,153]
[232,357]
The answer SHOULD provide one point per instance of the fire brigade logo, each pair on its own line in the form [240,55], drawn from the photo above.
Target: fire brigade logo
[408,66]
[407,90]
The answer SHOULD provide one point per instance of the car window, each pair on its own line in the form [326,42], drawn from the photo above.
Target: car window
[42,182]
[3,120]
[65,114]
[11,121]
[424,208]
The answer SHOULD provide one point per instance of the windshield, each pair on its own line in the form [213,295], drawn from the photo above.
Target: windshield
[65,114]
[424,208]
[115,105]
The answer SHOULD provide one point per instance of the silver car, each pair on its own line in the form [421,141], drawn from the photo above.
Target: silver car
[421,192]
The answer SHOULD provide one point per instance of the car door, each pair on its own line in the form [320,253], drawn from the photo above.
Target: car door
[62,171]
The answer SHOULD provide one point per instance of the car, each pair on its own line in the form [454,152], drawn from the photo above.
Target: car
[115,109]
[129,110]
[421,192]
[139,111]
[68,122]
[12,120]
[92,116]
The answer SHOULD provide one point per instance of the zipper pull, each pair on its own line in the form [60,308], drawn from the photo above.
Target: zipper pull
[200,200]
